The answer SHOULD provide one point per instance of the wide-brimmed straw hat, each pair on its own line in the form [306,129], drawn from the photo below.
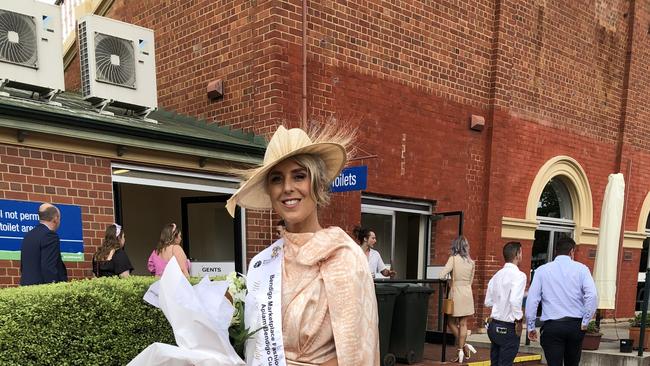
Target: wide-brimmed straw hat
[285,144]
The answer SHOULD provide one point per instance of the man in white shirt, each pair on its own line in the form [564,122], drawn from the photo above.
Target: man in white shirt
[376,264]
[505,294]
[377,267]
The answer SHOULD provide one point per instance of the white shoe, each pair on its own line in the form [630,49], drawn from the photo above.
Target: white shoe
[470,350]
[460,357]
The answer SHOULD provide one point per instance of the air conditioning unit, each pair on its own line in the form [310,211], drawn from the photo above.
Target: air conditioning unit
[31,45]
[118,65]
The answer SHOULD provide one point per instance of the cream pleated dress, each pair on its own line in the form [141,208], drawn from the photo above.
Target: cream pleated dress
[461,284]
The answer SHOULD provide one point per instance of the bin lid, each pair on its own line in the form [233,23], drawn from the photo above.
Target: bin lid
[400,287]
[381,289]
[417,288]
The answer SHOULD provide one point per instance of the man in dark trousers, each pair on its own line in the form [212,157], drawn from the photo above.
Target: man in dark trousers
[40,255]
[568,296]
[505,295]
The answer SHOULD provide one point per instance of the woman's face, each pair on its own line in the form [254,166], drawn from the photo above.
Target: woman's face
[178,238]
[289,187]
[122,239]
[372,239]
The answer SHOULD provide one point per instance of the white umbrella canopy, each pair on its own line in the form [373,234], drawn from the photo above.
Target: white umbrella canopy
[611,217]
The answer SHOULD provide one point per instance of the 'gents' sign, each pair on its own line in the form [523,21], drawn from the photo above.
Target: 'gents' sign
[200,269]
[354,178]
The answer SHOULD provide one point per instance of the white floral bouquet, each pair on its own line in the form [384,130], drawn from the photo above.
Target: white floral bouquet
[237,331]
[208,329]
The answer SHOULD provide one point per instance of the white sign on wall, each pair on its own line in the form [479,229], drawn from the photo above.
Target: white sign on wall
[200,269]
[433,273]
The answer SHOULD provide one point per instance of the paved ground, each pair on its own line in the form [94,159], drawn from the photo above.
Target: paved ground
[432,357]
[531,354]
[612,333]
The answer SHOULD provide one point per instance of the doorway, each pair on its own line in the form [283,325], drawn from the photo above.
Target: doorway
[555,216]
[643,266]
[147,198]
[401,227]
[544,245]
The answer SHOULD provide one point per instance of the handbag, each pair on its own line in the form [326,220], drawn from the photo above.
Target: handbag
[448,306]
[448,303]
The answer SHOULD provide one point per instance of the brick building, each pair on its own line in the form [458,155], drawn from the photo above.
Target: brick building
[560,87]
[116,169]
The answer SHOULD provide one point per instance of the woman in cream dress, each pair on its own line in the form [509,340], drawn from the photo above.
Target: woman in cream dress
[461,267]
[314,281]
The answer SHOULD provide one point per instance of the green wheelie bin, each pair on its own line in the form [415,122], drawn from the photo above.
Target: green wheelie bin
[386,296]
[409,326]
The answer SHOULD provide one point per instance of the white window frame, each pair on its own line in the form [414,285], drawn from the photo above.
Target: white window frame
[390,209]
[171,184]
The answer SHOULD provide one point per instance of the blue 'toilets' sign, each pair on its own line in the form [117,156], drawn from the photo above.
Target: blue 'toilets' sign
[17,218]
[351,179]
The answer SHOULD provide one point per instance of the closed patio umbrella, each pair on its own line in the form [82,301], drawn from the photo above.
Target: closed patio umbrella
[608,241]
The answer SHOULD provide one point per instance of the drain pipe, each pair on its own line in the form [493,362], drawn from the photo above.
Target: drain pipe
[644,310]
[304,62]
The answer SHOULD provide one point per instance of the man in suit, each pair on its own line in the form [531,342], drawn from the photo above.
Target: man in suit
[40,255]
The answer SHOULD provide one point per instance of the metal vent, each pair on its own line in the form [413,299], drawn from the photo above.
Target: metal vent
[83,59]
[18,39]
[115,60]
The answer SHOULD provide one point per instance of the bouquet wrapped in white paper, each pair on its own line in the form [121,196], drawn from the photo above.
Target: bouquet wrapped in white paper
[201,318]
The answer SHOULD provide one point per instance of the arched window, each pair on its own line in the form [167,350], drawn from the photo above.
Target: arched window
[555,201]
[555,216]
[643,266]
[643,263]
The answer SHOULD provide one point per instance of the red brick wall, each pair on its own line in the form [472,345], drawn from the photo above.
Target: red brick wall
[628,269]
[344,211]
[46,176]
[260,231]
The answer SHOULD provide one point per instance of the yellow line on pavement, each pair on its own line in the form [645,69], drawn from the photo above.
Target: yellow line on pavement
[517,359]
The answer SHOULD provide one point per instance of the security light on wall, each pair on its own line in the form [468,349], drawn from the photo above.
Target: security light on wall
[118,65]
[31,47]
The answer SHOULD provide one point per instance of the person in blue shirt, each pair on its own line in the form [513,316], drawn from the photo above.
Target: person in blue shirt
[568,296]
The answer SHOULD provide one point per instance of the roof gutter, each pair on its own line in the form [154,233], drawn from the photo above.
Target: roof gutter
[78,122]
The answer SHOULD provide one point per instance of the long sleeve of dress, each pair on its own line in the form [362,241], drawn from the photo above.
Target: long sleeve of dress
[447,268]
[471,281]
[348,286]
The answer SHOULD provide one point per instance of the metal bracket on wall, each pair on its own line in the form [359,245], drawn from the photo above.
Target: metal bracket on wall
[120,150]
[21,135]
[203,161]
